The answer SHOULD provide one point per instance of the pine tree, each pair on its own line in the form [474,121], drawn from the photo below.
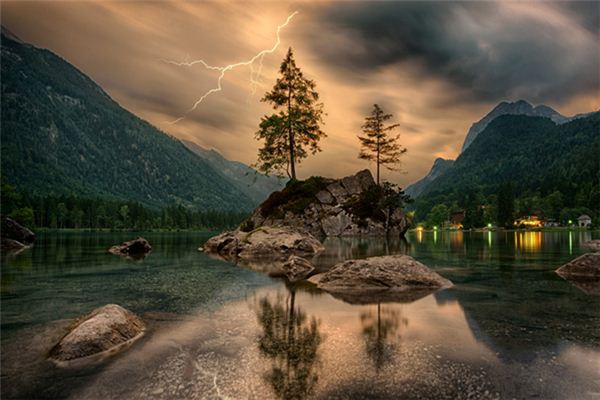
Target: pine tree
[506,205]
[377,144]
[294,131]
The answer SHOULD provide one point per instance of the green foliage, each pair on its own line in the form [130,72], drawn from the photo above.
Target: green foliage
[438,216]
[59,212]
[377,203]
[63,135]
[551,167]
[506,205]
[377,145]
[294,197]
[295,130]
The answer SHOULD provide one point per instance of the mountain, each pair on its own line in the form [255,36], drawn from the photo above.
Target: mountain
[254,184]
[62,134]
[520,107]
[534,153]
[440,166]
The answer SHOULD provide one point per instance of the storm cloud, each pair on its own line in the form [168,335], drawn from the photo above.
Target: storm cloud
[493,50]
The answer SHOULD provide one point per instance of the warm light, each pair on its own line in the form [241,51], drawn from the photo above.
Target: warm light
[489,225]
[419,228]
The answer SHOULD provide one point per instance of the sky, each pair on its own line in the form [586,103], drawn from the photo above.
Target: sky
[437,67]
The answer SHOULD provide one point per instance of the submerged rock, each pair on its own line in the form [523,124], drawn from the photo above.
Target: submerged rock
[264,243]
[136,247]
[592,244]
[587,265]
[14,237]
[379,279]
[297,268]
[103,332]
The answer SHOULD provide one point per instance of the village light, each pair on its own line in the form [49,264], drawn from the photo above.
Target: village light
[570,222]
[435,228]
[489,225]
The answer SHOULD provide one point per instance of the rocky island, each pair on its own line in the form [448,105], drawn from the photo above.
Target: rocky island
[290,221]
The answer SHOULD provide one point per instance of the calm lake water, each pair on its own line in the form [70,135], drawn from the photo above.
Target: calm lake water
[509,328]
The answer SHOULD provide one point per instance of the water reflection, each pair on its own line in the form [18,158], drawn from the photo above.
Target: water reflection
[290,339]
[380,330]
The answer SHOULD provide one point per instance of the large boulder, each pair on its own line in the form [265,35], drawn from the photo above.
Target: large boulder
[297,268]
[328,207]
[13,236]
[101,333]
[380,279]
[133,248]
[585,266]
[264,243]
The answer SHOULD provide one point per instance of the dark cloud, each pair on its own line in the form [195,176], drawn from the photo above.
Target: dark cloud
[493,50]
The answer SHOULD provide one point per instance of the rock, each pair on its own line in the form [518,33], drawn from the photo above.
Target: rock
[325,197]
[585,266]
[12,246]
[592,244]
[266,243]
[336,225]
[339,193]
[325,207]
[14,231]
[99,334]
[387,278]
[297,268]
[136,247]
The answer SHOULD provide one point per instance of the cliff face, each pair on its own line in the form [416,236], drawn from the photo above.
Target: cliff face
[351,206]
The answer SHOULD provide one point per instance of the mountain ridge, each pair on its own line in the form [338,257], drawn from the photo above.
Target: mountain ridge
[63,134]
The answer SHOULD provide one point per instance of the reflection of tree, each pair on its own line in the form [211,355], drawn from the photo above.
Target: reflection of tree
[291,341]
[380,331]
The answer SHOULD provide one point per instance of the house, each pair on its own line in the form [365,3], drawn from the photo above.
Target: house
[584,221]
[456,219]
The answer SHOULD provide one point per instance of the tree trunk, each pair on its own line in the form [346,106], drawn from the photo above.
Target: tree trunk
[378,159]
[291,133]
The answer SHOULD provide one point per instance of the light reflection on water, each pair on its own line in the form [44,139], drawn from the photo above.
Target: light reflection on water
[507,329]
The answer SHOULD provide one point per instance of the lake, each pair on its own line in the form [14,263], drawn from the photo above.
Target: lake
[509,328]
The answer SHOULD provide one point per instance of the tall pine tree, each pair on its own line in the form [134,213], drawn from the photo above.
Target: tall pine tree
[294,131]
[378,144]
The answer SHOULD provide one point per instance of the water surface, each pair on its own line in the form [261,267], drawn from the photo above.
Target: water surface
[509,328]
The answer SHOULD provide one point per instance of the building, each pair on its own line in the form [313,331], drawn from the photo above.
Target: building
[456,219]
[584,221]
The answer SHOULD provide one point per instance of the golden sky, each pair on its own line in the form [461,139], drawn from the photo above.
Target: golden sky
[438,67]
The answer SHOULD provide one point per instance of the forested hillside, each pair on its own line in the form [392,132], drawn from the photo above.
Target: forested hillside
[63,135]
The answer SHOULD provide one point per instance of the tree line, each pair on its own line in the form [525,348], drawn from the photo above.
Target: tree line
[74,212]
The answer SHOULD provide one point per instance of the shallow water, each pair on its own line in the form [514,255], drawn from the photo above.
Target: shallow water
[509,328]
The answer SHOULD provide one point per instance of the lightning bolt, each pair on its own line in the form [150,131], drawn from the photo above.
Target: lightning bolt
[254,73]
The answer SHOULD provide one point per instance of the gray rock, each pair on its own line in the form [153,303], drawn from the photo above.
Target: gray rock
[387,278]
[297,268]
[587,265]
[336,225]
[101,333]
[136,247]
[266,242]
[592,244]
[337,190]
[352,184]
[325,197]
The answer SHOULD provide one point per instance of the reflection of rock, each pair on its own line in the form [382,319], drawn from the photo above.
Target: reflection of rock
[387,278]
[297,268]
[14,236]
[137,247]
[587,265]
[265,243]
[291,341]
[592,244]
[101,333]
